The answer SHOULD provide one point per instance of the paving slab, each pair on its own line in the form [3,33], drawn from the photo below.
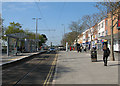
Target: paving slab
[77,68]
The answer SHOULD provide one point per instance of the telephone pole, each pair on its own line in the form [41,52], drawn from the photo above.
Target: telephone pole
[36,31]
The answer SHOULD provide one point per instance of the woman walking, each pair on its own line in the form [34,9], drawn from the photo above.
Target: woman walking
[106,53]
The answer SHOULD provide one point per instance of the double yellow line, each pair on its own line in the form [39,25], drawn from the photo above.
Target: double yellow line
[47,81]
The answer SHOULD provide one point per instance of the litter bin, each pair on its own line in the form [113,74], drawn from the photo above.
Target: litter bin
[94,55]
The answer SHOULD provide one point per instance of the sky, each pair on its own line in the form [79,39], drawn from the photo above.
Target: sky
[52,14]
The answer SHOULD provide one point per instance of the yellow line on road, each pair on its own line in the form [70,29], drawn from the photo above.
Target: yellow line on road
[50,72]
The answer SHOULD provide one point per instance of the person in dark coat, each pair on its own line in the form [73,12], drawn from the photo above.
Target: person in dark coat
[78,49]
[106,53]
[81,47]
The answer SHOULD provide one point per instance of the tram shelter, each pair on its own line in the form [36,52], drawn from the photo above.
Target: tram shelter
[12,42]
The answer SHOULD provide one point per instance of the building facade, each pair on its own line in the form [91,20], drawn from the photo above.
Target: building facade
[100,33]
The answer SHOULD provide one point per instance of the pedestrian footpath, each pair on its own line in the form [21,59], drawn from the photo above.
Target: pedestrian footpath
[4,59]
[77,68]
[100,52]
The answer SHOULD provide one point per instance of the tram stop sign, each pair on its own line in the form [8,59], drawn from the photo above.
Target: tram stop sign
[118,26]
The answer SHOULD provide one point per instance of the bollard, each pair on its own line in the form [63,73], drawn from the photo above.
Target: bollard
[93,55]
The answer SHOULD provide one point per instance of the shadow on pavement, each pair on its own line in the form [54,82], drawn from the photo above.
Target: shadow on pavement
[99,60]
[61,70]
[114,65]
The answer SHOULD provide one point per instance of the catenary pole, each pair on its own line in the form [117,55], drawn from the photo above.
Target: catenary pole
[36,32]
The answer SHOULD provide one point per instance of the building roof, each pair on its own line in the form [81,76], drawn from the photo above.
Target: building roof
[17,35]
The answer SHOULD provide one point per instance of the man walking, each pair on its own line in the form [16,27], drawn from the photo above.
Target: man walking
[106,53]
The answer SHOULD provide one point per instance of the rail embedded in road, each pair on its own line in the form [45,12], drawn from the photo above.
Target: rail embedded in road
[37,70]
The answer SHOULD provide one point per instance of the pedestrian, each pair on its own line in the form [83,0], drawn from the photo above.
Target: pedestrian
[78,49]
[21,49]
[70,48]
[81,48]
[84,48]
[73,48]
[106,53]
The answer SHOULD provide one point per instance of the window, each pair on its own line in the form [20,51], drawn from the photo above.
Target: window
[103,33]
[102,25]
[115,42]
[106,32]
[119,42]
[106,22]
[99,26]
[99,35]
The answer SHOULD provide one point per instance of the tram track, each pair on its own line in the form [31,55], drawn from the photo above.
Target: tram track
[39,65]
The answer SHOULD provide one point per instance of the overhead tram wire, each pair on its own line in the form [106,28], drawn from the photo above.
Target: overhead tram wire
[42,15]
[59,16]
[45,23]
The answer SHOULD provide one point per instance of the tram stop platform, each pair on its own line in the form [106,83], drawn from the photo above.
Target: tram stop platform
[4,59]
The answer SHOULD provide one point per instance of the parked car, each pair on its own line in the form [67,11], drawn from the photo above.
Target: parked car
[52,49]
[61,48]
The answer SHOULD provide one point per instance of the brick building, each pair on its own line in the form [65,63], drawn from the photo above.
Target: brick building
[101,32]
[116,32]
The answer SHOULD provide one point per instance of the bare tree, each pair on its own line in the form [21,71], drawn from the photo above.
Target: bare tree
[108,6]
[91,20]
[77,26]
[69,37]
[112,8]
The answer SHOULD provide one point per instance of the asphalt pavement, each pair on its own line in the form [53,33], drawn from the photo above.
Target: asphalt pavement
[33,72]
[77,68]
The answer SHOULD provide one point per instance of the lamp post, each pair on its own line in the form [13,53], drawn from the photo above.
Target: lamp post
[64,32]
[65,43]
[36,31]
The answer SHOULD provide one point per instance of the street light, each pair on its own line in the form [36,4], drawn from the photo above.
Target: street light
[36,31]
[64,28]
[65,43]
[64,31]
